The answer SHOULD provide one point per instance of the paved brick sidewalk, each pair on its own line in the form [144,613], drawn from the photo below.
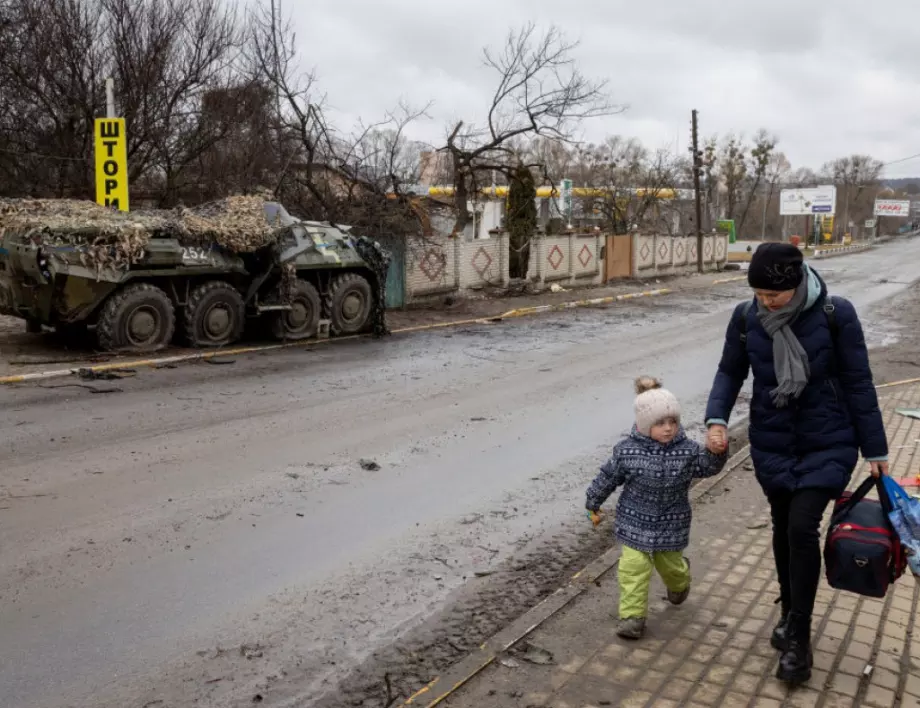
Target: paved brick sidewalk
[714,650]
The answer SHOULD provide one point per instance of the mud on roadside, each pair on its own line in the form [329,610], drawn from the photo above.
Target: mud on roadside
[484,606]
[897,322]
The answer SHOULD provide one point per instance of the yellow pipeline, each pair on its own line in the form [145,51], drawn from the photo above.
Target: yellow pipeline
[546,192]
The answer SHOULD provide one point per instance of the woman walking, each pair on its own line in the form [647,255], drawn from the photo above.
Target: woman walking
[813,409]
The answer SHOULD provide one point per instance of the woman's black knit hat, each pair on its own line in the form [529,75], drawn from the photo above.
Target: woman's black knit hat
[776,266]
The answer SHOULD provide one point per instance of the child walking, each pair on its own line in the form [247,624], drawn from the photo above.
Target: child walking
[655,465]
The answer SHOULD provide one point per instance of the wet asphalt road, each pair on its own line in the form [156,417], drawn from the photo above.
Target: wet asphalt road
[158,539]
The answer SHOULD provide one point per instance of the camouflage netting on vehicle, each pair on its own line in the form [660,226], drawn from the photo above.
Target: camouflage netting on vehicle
[107,238]
[236,223]
[104,237]
[378,258]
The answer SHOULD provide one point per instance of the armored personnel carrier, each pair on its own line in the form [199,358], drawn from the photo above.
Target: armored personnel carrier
[206,274]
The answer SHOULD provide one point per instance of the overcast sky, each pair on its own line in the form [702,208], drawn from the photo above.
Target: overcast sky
[829,77]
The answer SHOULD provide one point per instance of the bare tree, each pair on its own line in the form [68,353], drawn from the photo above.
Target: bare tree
[854,175]
[804,177]
[732,171]
[168,57]
[558,160]
[736,169]
[49,95]
[776,175]
[354,177]
[633,183]
[244,159]
[710,165]
[165,58]
[758,160]
[539,92]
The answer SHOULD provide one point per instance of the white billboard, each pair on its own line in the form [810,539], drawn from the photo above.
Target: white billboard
[804,202]
[892,207]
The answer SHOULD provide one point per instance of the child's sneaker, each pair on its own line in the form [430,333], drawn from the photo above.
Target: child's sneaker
[631,628]
[678,598]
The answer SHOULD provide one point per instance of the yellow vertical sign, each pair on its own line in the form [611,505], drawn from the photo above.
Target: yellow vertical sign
[111,163]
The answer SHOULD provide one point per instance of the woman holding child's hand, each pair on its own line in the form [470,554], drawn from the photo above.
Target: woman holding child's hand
[813,409]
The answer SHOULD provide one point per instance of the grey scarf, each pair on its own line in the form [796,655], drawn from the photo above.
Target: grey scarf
[790,362]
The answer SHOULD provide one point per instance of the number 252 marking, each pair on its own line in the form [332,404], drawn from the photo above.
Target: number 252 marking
[195,254]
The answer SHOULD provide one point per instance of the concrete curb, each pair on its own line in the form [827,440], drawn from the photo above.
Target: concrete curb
[474,662]
[735,279]
[841,250]
[903,382]
[239,351]
[525,311]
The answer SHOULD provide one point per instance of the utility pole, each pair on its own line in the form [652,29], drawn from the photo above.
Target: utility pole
[697,194]
[763,220]
[110,98]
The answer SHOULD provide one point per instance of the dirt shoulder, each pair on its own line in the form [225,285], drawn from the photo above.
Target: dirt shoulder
[497,303]
[898,322]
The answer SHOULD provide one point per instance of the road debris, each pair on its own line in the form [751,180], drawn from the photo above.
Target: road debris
[368,465]
[110,375]
[533,654]
[91,389]
[252,651]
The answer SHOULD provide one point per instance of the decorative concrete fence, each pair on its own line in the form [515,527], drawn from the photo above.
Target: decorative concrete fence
[573,259]
[443,265]
[438,266]
[655,256]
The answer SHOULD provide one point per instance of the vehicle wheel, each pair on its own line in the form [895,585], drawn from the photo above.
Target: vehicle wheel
[139,318]
[302,321]
[349,304]
[214,315]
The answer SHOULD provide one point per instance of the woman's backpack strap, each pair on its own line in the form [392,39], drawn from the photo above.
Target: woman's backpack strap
[741,318]
[830,311]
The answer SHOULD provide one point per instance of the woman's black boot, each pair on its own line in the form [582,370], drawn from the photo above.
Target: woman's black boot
[796,662]
[779,639]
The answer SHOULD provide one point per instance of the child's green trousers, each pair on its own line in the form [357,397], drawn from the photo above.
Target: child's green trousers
[635,574]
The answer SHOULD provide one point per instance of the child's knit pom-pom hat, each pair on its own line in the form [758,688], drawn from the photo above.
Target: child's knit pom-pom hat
[653,404]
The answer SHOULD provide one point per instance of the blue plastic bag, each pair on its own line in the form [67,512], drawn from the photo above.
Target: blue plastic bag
[905,518]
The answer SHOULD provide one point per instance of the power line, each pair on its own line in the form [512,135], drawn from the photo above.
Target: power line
[903,159]
[32,153]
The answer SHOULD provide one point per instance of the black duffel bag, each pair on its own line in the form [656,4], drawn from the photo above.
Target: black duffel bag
[862,551]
